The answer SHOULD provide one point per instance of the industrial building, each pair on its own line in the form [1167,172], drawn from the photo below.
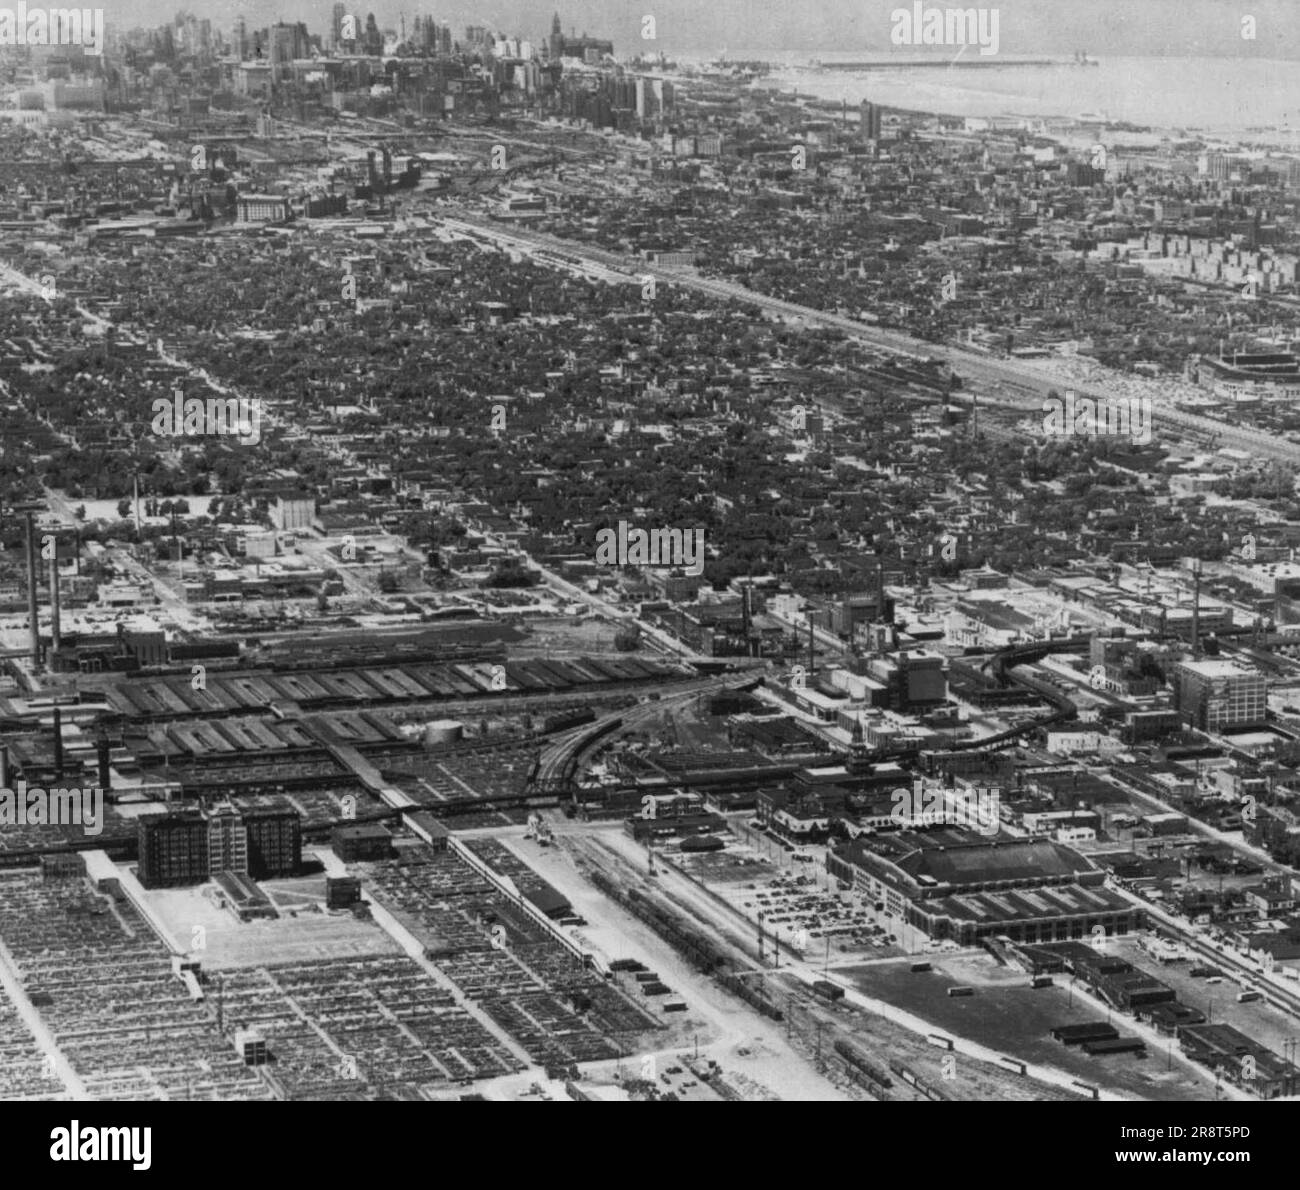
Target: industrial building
[1213,695]
[191,845]
[361,842]
[1239,1059]
[342,892]
[955,884]
[262,208]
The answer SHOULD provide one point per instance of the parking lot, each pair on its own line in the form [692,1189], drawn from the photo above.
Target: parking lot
[797,907]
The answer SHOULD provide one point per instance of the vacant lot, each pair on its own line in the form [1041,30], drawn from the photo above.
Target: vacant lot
[229,943]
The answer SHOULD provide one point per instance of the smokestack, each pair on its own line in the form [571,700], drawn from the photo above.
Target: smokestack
[1196,609]
[4,766]
[58,742]
[32,609]
[54,603]
[101,750]
[812,658]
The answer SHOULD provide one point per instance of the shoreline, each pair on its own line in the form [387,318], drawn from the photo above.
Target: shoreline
[1262,111]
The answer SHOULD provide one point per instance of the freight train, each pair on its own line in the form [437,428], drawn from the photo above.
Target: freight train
[929,1090]
[702,953]
[563,720]
[751,995]
[860,1062]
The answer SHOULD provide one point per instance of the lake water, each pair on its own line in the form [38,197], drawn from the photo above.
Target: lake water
[1227,97]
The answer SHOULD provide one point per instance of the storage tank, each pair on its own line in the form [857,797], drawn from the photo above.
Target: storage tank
[443,731]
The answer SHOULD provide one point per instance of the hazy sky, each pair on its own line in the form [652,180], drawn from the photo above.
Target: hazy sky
[1102,27]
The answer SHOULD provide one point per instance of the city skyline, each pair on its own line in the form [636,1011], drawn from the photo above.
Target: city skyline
[1114,28]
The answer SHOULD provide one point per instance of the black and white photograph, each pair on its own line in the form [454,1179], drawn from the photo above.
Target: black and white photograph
[648,551]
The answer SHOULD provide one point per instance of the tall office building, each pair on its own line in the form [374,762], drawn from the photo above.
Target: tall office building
[289,42]
[870,121]
[426,35]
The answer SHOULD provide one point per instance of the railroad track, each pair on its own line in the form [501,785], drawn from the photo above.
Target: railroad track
[1022,376]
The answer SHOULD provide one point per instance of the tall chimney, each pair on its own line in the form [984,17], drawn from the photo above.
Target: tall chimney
[4,766]
[1196,609]
[101,750]
[54,603]
[58,742]
[812,656]
[32,609]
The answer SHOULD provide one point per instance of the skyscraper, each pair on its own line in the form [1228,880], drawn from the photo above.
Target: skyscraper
[288,42]
[373,42]
[870,121]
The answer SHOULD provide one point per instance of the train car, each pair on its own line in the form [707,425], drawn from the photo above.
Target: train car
[860,1061]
